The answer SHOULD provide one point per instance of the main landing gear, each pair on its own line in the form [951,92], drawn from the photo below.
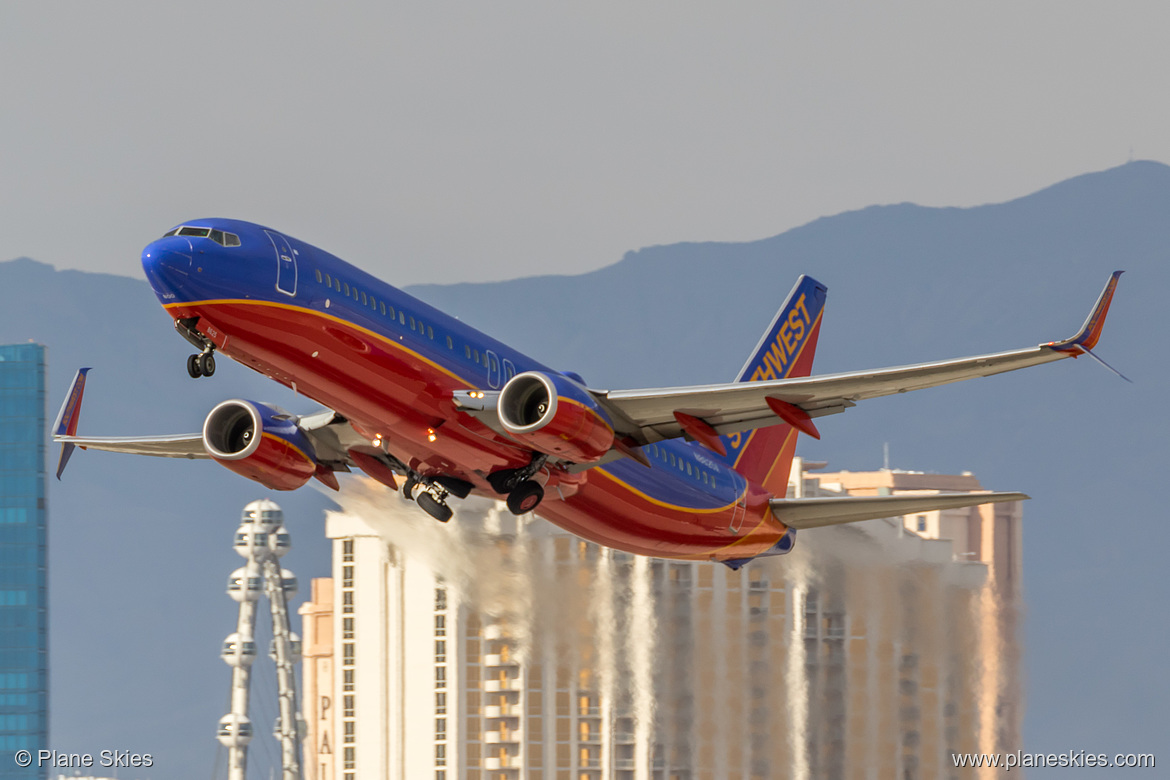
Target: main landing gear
[433,499]
[524,494]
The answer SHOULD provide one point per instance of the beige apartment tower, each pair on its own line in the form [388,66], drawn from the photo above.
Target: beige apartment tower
[501,648]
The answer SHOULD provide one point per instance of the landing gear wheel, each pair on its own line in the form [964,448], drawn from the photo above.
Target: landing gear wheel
[207,363]
[193,367]
[525,497]
[433,507]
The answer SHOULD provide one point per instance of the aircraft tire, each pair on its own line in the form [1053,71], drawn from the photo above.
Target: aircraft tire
[193,367]
[434,508]
[526,497]
[207,363]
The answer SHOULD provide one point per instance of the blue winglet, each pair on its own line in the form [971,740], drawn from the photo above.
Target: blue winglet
[67,418]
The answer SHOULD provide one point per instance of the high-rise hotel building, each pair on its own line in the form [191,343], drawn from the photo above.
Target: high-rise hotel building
[24,674]
[501,648]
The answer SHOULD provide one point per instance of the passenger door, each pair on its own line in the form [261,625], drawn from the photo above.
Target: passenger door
[286,263]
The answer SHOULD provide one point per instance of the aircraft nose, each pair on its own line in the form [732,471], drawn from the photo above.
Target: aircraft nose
[167,263]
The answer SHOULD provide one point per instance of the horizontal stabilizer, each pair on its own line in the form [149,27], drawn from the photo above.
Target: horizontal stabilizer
[802,513]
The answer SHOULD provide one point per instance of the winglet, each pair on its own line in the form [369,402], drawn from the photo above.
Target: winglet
[1086,337]
[66,424]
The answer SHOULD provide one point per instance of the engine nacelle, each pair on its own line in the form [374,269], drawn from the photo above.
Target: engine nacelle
[259,442]
[555,415]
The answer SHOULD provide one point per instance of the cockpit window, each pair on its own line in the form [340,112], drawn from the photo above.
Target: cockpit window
[221,237]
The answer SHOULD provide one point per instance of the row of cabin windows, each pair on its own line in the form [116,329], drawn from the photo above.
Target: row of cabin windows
[682,464]
[403,318]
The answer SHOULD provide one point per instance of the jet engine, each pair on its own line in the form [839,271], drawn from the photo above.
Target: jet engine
[260,442]
[556,415]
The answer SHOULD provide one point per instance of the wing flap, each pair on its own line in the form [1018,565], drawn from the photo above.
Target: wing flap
[817,512]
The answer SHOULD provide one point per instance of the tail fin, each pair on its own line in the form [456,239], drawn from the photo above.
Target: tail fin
[764,455]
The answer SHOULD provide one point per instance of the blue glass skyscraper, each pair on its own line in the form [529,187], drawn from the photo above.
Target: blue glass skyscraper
[24,646]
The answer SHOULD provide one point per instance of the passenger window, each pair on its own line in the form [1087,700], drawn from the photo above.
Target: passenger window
[430,333]
[476,353]
[319,277]
[355,293]
[467,351]
[337,284]
[383,307]
[401,317]
[672,458]
[328,280]
[412,323]
[450,343]
[391,310]
[347,288]
[689,472]
[364,299]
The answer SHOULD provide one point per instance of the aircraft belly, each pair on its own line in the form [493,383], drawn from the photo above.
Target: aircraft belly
[379,386]
[608,512]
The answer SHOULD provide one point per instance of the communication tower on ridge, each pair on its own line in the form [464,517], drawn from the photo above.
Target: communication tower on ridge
[262,539]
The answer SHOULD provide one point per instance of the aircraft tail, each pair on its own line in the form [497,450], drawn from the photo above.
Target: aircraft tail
[764,455]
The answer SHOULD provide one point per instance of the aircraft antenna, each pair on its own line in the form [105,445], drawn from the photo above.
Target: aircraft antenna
[262,539]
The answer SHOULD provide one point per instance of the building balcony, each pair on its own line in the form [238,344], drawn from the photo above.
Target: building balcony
[499,737]
[625,764]
[508,762]
[501,711]
[623,736]
[507,684]
[589,712]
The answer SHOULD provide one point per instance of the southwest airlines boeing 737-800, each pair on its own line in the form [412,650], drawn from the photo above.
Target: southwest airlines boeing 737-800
[415,396]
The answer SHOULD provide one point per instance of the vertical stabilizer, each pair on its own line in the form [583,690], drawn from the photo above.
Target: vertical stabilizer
[764,455]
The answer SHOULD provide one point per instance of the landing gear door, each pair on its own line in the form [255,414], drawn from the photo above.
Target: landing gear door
[286,263]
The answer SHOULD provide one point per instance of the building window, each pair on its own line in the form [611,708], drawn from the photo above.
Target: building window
[440,677]
[440,651]
[347,628]
[440,625]
[347,550]
[440,728]
[921,523]
[347,680]
[347,706]
[349,760]
[349,731]
[347,654]
[440,599]
[441,703]
[347,576]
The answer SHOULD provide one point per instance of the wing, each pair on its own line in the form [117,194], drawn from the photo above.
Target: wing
[656,414]
[802,513]
[330,434]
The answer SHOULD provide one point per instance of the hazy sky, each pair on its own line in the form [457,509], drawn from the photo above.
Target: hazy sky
[433,142]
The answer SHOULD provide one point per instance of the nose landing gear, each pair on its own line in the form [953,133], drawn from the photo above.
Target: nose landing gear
[202,364]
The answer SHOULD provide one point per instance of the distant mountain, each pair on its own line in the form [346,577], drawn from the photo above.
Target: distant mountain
[139,547]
